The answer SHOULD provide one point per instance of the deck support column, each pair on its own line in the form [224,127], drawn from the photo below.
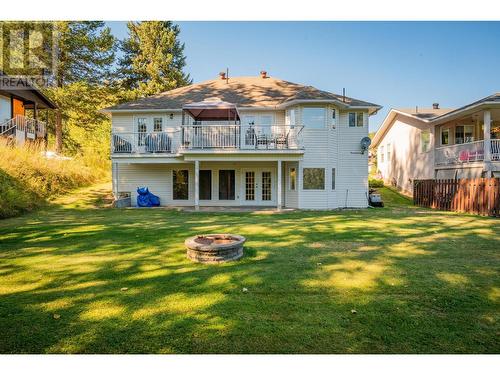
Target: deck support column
[197,185]
[280,190]
[487,136]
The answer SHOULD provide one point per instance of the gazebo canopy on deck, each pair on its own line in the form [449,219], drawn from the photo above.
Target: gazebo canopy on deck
[212,109]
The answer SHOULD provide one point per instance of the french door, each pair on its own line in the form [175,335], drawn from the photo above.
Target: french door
[258,187]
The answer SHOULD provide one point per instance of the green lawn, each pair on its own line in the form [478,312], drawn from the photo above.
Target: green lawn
[393,280]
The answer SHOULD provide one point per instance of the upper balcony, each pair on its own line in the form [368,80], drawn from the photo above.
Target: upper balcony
[203,138]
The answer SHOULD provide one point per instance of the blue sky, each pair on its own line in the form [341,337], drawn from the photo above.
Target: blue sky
[394,64]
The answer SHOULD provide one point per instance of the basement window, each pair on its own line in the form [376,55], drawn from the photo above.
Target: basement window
[314,179]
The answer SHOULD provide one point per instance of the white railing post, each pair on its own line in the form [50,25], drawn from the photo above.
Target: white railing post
[487,135]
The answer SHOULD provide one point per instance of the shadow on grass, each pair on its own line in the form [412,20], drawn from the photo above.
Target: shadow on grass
[394,280]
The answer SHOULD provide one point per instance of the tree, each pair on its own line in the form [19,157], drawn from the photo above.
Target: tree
[86,52]
[153,58]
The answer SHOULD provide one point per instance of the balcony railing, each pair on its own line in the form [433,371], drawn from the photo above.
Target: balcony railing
[164,142]
[460,154]
[24,127]
[495,149]
[247,137]
[209,137]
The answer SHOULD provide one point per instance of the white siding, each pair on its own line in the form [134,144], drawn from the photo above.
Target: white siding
[407,161]
[158,178]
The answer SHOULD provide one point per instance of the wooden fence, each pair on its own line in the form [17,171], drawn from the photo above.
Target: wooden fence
[480,196]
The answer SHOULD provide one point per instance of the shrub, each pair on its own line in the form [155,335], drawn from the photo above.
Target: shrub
[28,178]
[375,183]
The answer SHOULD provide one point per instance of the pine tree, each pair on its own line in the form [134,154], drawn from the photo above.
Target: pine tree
[153,58]
[86,52]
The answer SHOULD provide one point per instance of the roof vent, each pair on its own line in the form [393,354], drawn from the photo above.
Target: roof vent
[222,75]
[263,74]
[435,105]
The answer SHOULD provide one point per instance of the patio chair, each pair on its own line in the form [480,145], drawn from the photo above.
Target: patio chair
[121,146]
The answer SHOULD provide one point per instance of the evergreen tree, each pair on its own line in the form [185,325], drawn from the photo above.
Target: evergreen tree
[153,58]
[86,52]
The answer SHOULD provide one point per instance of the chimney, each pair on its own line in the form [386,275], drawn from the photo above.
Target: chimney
[222,75]
[263,74]
[435,105]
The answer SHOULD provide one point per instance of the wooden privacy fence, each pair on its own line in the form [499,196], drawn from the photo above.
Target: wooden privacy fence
[479,196]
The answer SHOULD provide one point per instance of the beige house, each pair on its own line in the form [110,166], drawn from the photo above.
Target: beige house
[424,143]
[243,141]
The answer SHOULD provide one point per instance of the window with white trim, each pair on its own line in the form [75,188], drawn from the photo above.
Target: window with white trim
[314,117]
[381,152]
[445,136]
[157,124]
[425,140]
[142,128]
[360,119]
[388,152]
[352,119]
[292,176]
[313,178]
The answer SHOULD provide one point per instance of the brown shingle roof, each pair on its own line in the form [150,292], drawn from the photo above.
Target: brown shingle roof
[242,91]
[424,113]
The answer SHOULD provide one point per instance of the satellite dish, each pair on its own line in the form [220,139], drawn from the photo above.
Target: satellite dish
[365,143]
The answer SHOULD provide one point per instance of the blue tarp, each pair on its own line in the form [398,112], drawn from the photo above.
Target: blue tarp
[146,199]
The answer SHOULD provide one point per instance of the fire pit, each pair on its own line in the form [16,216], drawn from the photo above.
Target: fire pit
[215,248]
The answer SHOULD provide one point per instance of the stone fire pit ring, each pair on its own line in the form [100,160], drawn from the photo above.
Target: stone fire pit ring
[215,248]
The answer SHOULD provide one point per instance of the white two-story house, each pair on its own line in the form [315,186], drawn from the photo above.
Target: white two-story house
[427,143]
[243,141]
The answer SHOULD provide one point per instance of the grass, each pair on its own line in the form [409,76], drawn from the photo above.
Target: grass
[394,280]
[28,179]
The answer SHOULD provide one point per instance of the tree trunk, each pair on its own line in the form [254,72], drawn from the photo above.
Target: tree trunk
[59,141]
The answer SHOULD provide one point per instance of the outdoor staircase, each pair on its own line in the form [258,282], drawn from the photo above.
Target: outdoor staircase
[20,128]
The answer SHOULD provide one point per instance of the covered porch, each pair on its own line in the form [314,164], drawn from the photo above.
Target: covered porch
[472,138]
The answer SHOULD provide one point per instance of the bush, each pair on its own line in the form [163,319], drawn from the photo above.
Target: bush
[28,178]
[375,183]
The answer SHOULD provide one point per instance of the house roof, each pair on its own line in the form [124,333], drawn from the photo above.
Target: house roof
[242,91]
[432,116]
[26,90]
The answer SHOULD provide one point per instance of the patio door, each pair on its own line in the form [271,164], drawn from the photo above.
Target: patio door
[258,187]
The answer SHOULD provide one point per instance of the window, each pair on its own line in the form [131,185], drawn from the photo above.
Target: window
[205,185]
[425,139]
[359,119]
[334,116]
[226,184]
[248,120]
[290,117]
[141,129]
[266,186]
[464,134]
[445,137]
[313,117]
[292,175]
[388,152]
[356,119]
[333,178]
[352,119]
[180,184]
[157,124]
[381,154]
[266,120]
[314,179]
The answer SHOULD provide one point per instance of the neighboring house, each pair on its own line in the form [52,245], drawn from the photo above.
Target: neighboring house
[256,141]
[16,99]
[439,143]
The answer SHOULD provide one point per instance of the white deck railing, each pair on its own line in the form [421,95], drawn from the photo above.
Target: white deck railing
[495,149]
[249,137]
[460,154]
[146,143]
[23,127]
[207,137]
